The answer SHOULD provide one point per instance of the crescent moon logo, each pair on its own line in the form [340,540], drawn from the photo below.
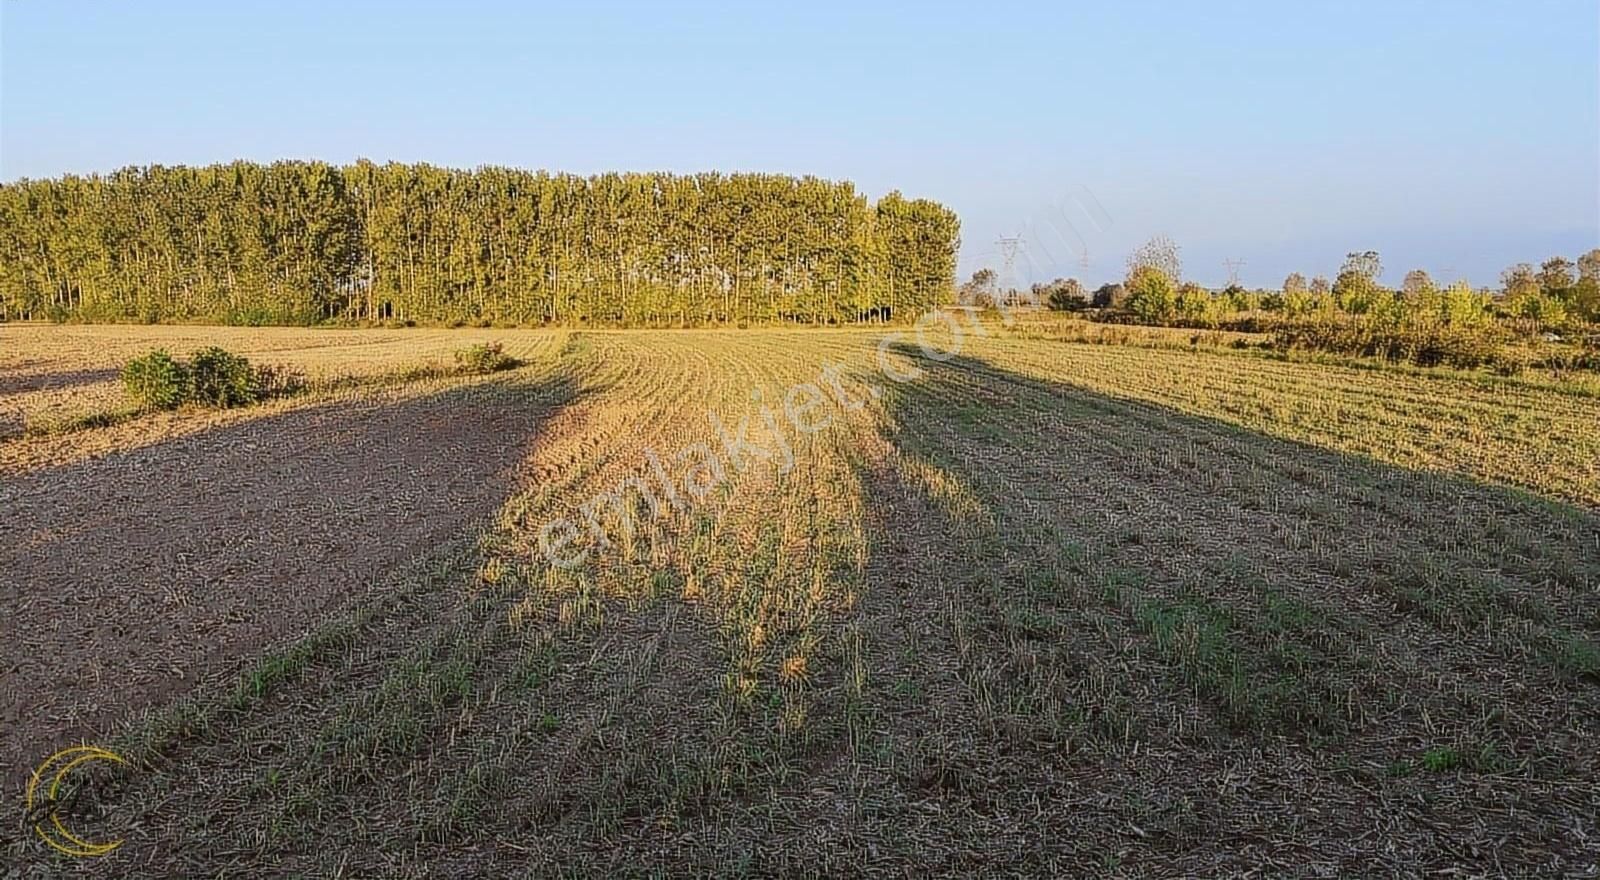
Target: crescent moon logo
[44,808]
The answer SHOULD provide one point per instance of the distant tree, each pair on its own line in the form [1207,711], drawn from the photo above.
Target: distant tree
[1320,286]
[1152,295]
[1159,253]
[1589,265]
[1523,296]
[1357,286]
[1462,306]
[1518,281]
[1548,311]
[1236,298]
[1556,276]
[1109,296]
[1194,303]
[307,242]
[1416,283]
[1586,298]
[1365,264]
[981,289]
[1586,293]
[1295,283]
[1355,292]
[1065,294]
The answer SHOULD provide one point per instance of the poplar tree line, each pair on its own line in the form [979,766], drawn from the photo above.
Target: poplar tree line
[308,242]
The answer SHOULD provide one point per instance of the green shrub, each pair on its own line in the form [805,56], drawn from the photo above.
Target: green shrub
[156,381]
[1426,344]
[222,379]
[484,358]
[1461,347]
[212,377]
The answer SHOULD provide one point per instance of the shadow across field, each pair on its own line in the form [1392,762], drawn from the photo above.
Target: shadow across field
[1160,641]
[19,381]
[128,578]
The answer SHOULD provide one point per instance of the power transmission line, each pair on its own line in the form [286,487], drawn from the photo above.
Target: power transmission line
[1009,245]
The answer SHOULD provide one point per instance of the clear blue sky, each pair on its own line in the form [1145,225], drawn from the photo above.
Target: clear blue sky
[1456,136]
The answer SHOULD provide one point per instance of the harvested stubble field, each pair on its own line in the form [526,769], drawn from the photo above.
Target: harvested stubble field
[1027,607]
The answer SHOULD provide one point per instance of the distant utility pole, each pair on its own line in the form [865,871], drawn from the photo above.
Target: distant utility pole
[1083,260]
[1233,264]
[1009,245]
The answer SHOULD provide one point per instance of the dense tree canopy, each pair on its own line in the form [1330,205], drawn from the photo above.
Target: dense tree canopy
[302,242]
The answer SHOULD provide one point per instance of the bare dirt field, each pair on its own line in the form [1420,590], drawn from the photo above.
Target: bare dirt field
[786,602]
